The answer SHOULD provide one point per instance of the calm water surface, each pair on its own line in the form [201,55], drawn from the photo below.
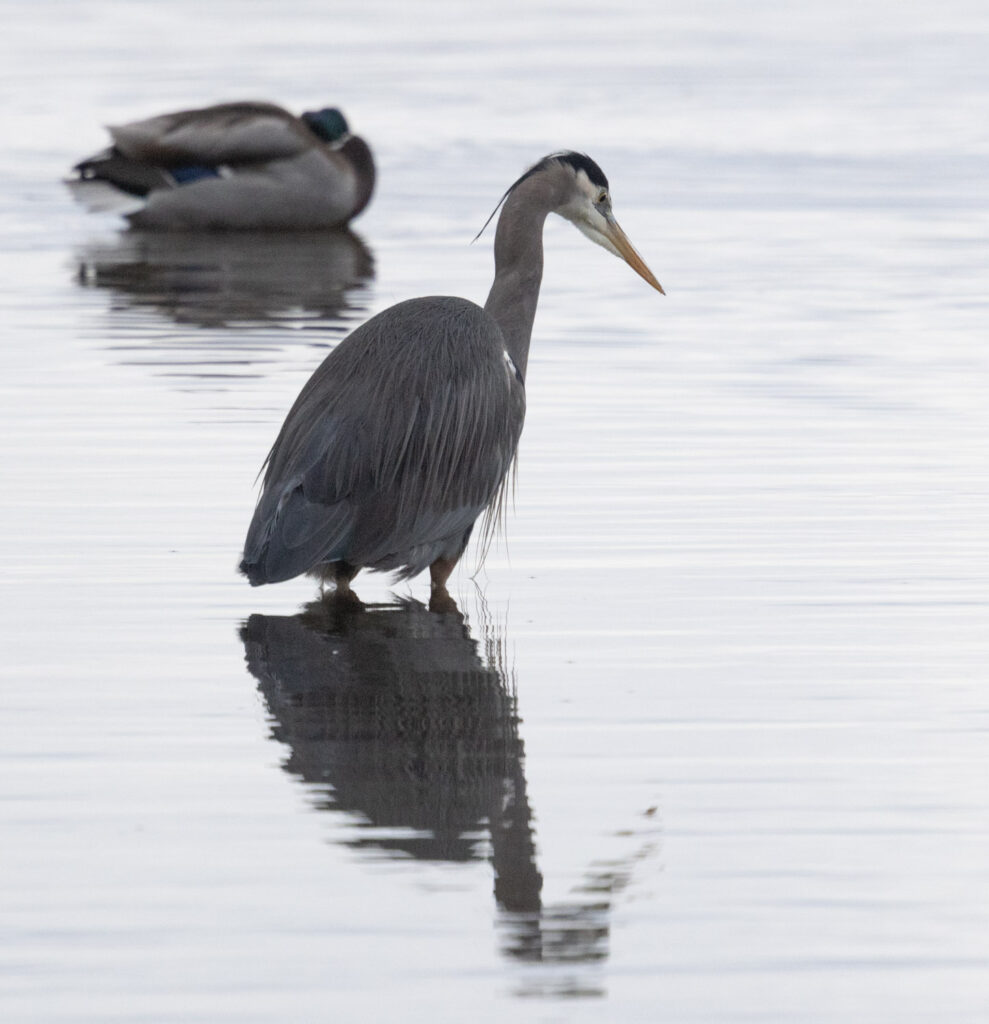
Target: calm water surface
[708,739]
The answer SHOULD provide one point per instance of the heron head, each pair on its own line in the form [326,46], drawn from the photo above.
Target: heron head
[576,188]
[587,205]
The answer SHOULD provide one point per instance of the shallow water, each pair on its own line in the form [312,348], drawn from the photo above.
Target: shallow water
[707,740]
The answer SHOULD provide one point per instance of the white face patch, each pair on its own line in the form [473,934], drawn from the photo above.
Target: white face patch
[584,183]
[586,195]
[595,235]
[586,215]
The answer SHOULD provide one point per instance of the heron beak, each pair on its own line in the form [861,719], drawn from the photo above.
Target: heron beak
[624,248]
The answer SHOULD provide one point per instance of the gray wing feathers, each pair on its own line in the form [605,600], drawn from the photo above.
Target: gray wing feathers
[395,445]
[300,528]
[229,133]
[299,520]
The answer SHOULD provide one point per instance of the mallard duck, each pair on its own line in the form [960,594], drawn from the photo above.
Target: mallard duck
[247,165]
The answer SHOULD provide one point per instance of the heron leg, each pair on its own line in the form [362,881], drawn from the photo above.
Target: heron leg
[343,573]
[439,572]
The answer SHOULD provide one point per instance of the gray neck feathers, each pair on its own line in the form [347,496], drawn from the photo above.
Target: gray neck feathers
[518,250]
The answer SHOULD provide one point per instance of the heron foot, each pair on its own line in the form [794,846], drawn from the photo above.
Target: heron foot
[339,601]
[441,603]
[439,596]
[343,573]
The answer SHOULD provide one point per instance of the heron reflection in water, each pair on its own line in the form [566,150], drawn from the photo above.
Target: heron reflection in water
[406,433]
[395,714]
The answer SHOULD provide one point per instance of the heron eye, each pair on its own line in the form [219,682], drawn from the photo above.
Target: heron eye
[603,198]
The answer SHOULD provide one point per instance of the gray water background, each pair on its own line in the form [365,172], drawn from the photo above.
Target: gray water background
[711,742]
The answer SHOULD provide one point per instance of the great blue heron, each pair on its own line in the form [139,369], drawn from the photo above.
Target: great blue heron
[406,433]
[231,166]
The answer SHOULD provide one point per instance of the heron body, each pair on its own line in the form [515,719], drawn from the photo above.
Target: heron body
[406,433]
[369,466]
[247,166]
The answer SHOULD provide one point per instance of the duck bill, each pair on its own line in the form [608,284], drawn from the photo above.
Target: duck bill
[624,248]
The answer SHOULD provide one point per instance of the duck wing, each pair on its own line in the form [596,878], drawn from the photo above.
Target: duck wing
[227,133]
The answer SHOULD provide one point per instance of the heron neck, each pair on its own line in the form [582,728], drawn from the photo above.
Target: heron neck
[518,250]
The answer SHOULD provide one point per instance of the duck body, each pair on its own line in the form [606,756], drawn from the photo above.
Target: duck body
[232,166]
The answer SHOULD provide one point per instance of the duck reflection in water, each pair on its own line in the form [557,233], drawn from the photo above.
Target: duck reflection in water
[394,714]
[221,278]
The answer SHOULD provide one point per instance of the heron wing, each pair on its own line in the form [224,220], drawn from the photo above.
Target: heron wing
[394,447]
